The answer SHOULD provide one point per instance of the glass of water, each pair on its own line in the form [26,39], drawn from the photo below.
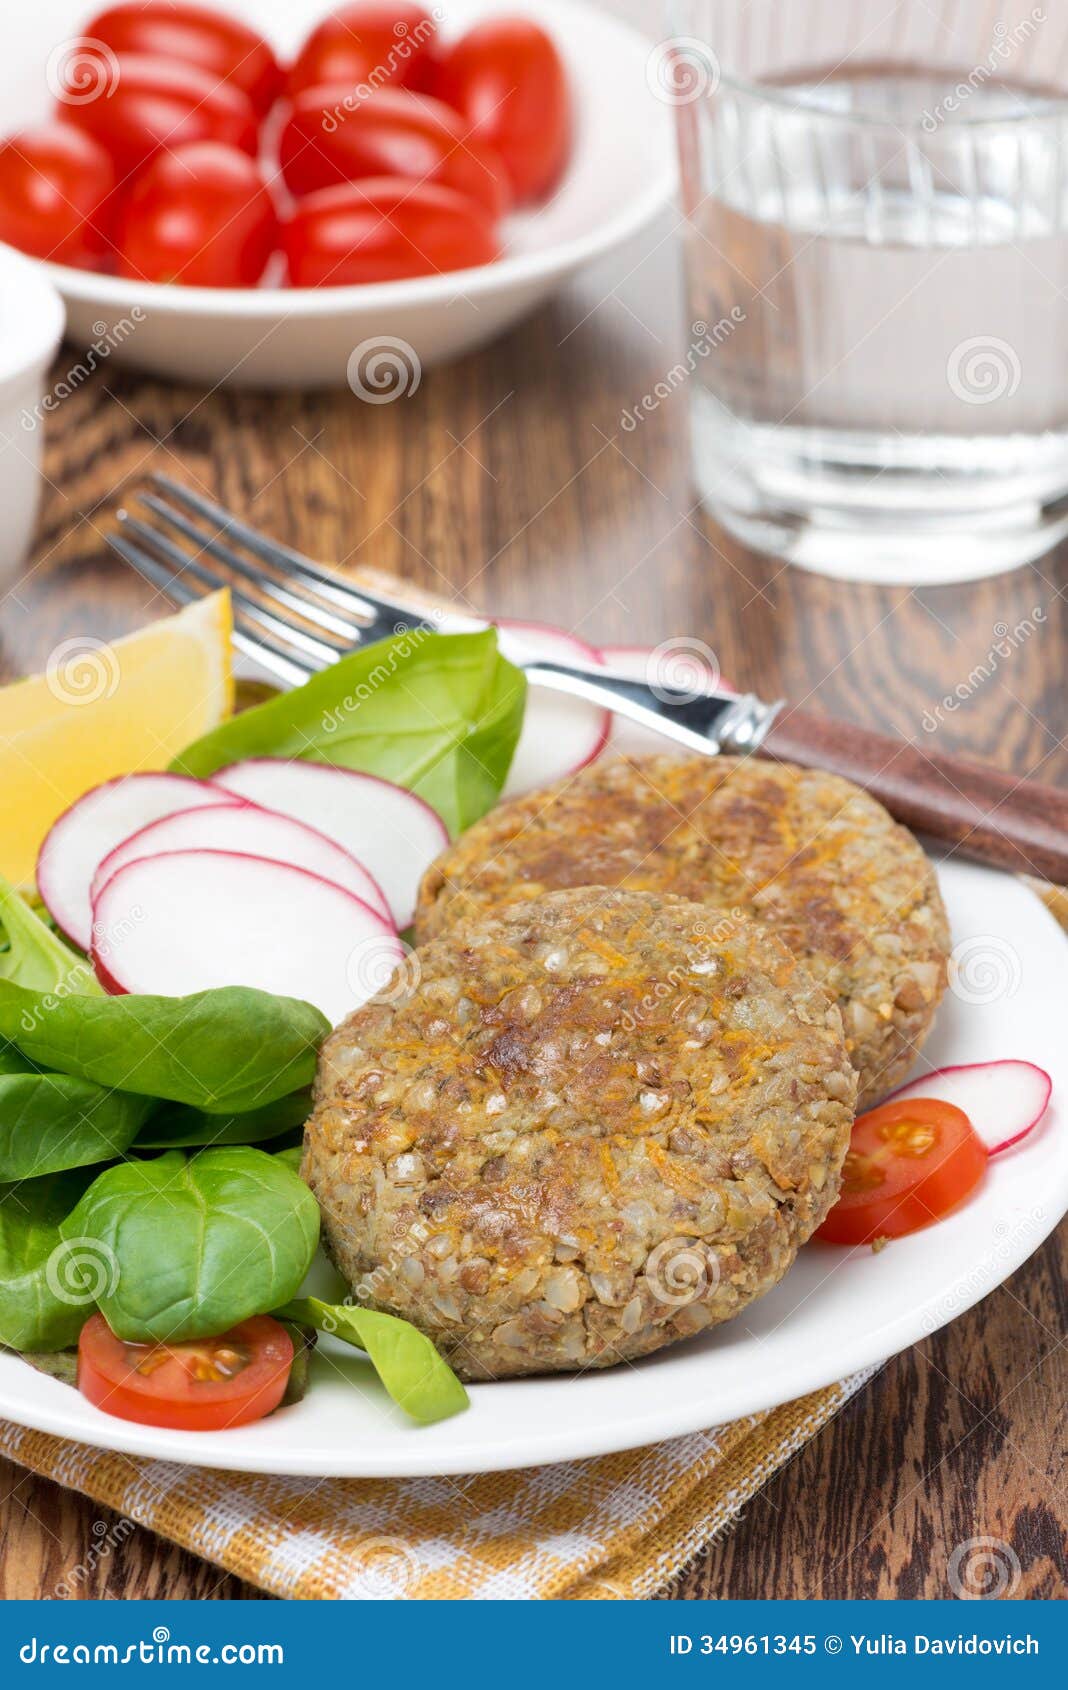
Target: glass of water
[876,201]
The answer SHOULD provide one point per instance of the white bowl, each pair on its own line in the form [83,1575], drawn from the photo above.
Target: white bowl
[31,326]
[621,174]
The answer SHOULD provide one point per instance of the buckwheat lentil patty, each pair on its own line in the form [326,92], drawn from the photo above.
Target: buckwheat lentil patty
[598,1122]
[822,863]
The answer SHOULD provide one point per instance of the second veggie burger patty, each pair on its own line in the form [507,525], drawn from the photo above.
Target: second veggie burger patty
[809,854]
[579,1129]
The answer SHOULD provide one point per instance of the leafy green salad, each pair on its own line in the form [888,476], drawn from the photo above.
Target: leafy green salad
[151,1208]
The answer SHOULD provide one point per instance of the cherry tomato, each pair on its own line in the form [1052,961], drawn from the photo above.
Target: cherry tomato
[158,102]
[54,189]
[507,79]
[195,35]
[908,1164]
[201,215]
[202,1385]
[369,44]
[392,133]
[383,229]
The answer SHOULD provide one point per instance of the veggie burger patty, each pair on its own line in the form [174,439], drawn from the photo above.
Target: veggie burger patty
[811,855]
[583,1127]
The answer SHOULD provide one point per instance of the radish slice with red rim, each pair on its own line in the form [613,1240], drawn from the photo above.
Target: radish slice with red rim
[187,921]
[394,834]
[560,734]
[250,831]
[101,819]
[1004,1100]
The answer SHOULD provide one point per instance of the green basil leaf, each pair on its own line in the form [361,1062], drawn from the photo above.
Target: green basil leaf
[439,714]
[46,1292]
[292,1156]
[226,1051]
[51,1122]
[196,1245]
[417,1378]
[175,1126]
[35,956]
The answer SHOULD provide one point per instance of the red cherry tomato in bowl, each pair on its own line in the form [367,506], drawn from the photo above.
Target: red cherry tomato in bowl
[909,1163]
[55,184]
[195,35]
[330,138]
[159,102]
[201,215]
[382,230]
[199,1385]
[368,44]
[508,81]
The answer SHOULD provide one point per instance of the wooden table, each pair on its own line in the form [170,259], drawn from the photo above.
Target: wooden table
[509,482]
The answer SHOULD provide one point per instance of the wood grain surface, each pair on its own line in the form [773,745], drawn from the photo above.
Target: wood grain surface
[509,483]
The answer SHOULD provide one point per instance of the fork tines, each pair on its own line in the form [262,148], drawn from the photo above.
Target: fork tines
[297,618]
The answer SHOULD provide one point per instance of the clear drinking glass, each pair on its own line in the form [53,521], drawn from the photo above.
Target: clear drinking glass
[877,259]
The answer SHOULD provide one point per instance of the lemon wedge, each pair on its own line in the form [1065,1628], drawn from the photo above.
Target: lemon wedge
[101,710]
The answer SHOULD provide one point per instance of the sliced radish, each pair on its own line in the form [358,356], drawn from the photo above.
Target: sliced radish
[678,664]
[186,921]
[101,819]
[250,831]
[394,834]
[1003,1100]
[560,734]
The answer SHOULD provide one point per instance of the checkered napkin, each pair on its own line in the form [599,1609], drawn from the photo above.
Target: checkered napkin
[612,1527]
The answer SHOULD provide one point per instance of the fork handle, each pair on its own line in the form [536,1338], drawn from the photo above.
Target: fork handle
[984,812]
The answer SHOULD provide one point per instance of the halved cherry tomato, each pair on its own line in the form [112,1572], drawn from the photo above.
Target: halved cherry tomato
[55,185]
[327,141]
[367,44]
[201,215]
[384,229]
[161,102]
[507,79]
[195,35]
[908,1164]
[201,1385]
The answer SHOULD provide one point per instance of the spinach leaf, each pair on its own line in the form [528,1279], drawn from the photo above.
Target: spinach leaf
[196,1245]
[176,1126]
[51,1122]
[35,956]
[46,1293]
[410,1368]
[437,713]
[226,1051]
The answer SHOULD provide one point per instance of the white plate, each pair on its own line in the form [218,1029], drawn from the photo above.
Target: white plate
[622,173]
[837,1311]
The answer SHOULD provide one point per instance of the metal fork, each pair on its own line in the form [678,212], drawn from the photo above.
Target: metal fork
[295,618]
